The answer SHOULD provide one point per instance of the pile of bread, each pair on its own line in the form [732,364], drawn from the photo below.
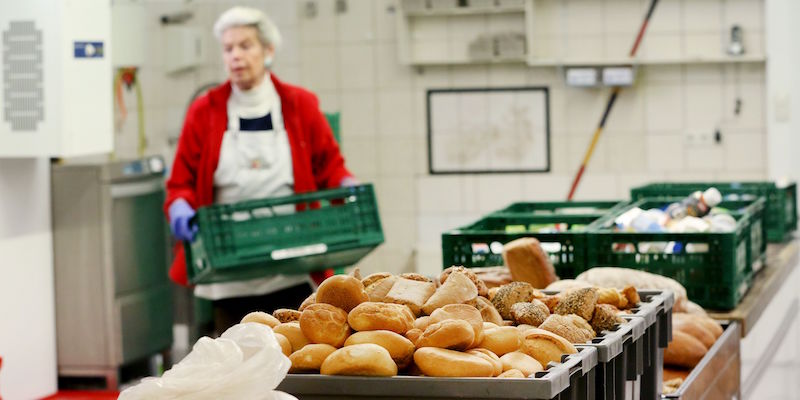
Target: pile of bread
[692,336]
[453,326]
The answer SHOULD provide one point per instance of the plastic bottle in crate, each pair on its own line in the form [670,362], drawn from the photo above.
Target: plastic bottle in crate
[698,204]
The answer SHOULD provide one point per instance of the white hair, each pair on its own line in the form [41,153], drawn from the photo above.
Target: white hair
[245,16]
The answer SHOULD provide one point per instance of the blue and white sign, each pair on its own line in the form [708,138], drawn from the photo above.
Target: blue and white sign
[88,49]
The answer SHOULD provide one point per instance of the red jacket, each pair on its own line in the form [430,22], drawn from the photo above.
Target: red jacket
[316,160]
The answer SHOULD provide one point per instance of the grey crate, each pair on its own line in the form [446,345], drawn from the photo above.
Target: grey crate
[656,312]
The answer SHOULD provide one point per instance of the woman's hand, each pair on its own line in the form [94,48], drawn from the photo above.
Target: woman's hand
[180,213]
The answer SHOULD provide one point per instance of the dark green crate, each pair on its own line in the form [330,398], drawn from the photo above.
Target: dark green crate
[331,228]
[464,246]
[781,207]
[715,279]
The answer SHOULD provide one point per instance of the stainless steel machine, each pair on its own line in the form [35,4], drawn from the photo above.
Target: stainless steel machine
[110,239]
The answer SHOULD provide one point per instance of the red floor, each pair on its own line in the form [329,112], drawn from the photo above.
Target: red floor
[83,395]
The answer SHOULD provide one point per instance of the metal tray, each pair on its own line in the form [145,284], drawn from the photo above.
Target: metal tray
[717,374]
[573,378]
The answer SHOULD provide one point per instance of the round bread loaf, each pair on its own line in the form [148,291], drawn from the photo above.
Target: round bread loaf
[310,357]
[371,316]
[545,346]
[285,315]
[522,362]
[324,323]
[488,312]
[261,318]
[463,312]
[512,373]
[343,291]
[400,349]
[570,327]
[448,334]
[488,356]
[360,360]
[433,361]
[286,345]
[501,340]
[292,331]
[508,295]
[533,313]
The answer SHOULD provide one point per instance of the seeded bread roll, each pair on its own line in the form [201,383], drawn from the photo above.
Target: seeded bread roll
[545,346]
[343,291]
[324,323]
[371,316]
[448,334]
[400,348]
[433,361]
[479,284]
[285,315]
[360,360]
[508,295]
[416,277]
[570,327]
[605,318]
[533,313]
[522,362]
[310,358]
[580,302]
[261,318]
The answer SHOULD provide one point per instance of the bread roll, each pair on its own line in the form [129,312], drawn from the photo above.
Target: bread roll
[488,312]
[311,299]
[489,325]
[551,302]
[416,277]
[713,327]
[411,293]
[524,327]
[324,323]
[528,262]
[622,277]
[493,276]
[675,373]
[545,346]
[286,345]
[570,327]
[378,290]
[522,362]
[605,318]
[261,318]
[310,358]
[292,331]
[580,302]
[611,296]
[438,362]
[695,329]
[479,284]
[457,289]
[684,350]
[422,322]
[533,313]
[632,295]
[567,284]
[493,292]
[372,316]
[448,334]
[488,356]
[512,373]
[372,278]
[400,349]
[413,335]
[343,291]
[285,315]
[508,295]
[360,360]
[501,340]
[463,312]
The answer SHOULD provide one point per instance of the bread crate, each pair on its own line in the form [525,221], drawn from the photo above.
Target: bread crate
[715,268]
[655,310]
[559,226]
[284,235]
[781,208]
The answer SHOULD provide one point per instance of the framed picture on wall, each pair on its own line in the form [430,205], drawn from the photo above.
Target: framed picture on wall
[488,130]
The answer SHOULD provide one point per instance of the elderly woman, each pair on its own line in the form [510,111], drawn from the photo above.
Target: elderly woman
[252,137]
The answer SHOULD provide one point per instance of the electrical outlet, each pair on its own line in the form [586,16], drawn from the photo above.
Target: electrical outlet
[700,138]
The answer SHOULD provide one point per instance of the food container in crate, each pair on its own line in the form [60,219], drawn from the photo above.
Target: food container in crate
[284,235]
[781,208]
[655,310]
[715,267]
[573,378]
[559,226]
[717,376]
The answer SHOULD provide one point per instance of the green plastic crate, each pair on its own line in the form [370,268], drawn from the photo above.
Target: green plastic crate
[332,228]
[716,278]
[480,244]
[781,206]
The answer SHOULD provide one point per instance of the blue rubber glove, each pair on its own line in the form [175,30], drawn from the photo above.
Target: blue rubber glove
[180,213]
[348,181]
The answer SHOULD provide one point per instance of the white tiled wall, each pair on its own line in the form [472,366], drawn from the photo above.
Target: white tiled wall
[350,60]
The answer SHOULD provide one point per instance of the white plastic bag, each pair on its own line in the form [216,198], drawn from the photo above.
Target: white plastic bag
[246,362]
